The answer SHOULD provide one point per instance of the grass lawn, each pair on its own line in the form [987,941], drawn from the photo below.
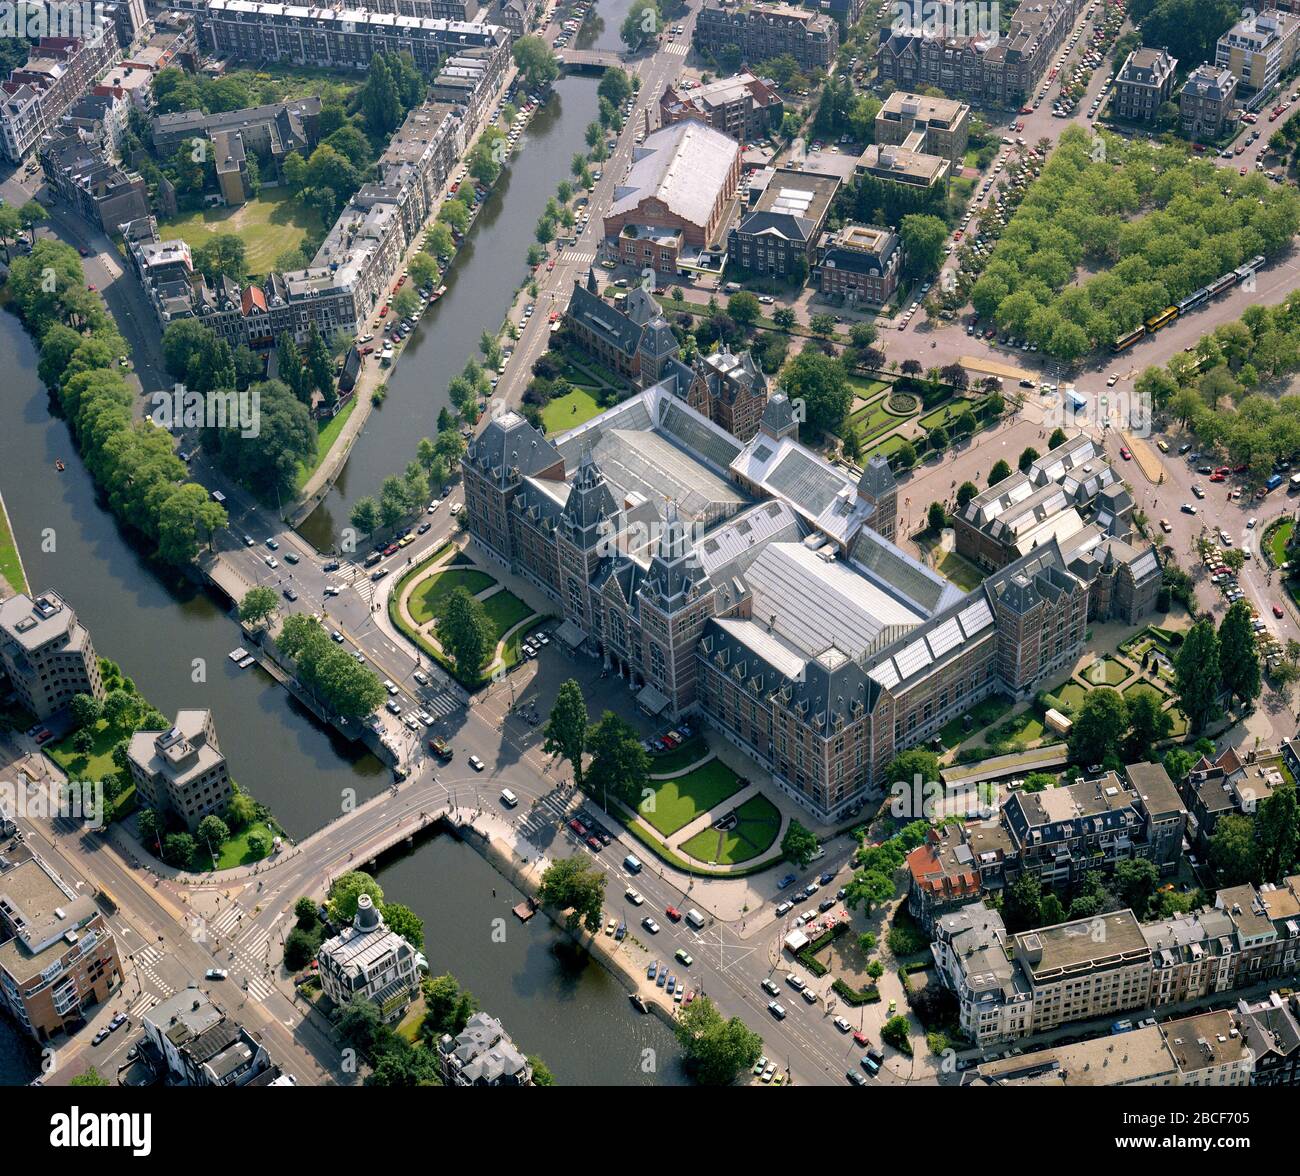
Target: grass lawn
[235,852]
[681,756]
[960,571]
[1145,688]
[679,801]
[886,448]
[505,610]
[1110,673]
[984,712]
[568,411]
[1017,732]
[1277,541]
[93,767]
[872,419]
[758,822]
[10,568]
[424,601]
[268,225]
[326,435]
[1071,693]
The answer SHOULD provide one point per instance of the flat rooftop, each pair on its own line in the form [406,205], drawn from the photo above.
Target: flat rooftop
[1069,947]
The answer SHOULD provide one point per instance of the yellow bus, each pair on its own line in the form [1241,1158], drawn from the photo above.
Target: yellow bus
[1164,318]
[1124,342]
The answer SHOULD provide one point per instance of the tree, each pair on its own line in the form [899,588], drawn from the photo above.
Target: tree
[380,106]
[577,886]
[344,892]
[923,239]
[717,1051]
[304,910]
[870,887]
[365,515]
[222,256]
[1198,676]
[799,844]
[936,517]
[92,1077]
[619,764]
[178,849]
[743,307]
[86,710]
[784,318]
[1027,458]
[1277,834]
[566,729]
[1148,724]
[1100,724]
[258,605]
[465,632]
[1233,853]
[911,765]
[1058,437]
[818,385]
[180,340]
[965,492]
[320,365]
[83,742]
[615,86]
[536,61]
[151,825]
[822,324]
[897,1032]
[405,922]
[1238,654]
[267,462]
[999,471]
[641,24]
[1135,883]
[299,948]
[1022,903]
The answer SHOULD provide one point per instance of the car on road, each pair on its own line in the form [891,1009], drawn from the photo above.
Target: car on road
[441,749]
[215,974]
[273,545]
[856,1077]
[1124,453]
[103,1033]
[673,913]
[861,1038]
[795,981]
[272,562]
[289,594]
[117,1022]
[683,957]
[1250,523]
[291,557]
[1277,610]
[826,877]
[476,763]
[378,574]
[421,677]
[248,541]
[770,987]
[393,708]
[653,970]
[1199,491]
[1166,526]
[650,925]
[841,1024]
[422,528]
[633,896]
[1187,508]
[776,1009]
[783,907]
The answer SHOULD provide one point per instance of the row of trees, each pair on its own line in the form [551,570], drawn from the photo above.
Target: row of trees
[1157,224]
[133,462]
[336,680]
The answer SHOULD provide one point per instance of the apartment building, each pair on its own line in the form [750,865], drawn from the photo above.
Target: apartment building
[1001,70]
[1206,101]
[1145,82]
[181,771]
[777,233]
[935,126]
[47,653]
[102,193]
[1271,1029]
[1203,1050]
[482,1054]
[763,31]
[190,1041]
[369,960]
[972,956]
[459,10]
[1259,49]
[1231,784]
[859,264]
[130,84]
[903,165]
[58,955]
[742,106]
[328,38]
[59,70]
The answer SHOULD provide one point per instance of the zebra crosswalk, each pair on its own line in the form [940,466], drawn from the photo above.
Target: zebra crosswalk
[159,989]
[547,813]
[226,920]
[677,49]
[581,258]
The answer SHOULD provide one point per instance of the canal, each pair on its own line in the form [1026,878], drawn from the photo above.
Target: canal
[553,999]
[601,28]
[480,287]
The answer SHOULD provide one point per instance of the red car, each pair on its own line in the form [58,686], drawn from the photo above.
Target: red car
[1124,453]
[550,265]
[91,289]
[1216,477]
[595,844]
[43,735]
[1277,610]
[578,827]
[391,549]
[674,914]
[83,251]
[861,1039]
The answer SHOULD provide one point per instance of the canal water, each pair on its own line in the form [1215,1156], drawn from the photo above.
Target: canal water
[554,1000]
[490,266]
[601,28]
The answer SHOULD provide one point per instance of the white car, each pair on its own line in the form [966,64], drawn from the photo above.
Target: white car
[633,896]
[476,763]
[215,974]
[650,925]
[272,562]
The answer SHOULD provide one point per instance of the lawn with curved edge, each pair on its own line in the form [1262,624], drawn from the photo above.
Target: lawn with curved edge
[426,598]
[758,821]
[677,802]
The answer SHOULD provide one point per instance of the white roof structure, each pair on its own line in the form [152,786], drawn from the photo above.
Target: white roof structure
[814,602]
[684,166]
[766,644]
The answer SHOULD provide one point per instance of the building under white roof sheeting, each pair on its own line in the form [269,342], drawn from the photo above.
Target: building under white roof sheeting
[645,463]
[1060,526]
[1145,565]
[684,166]
[895,571]
[943,637]
[813,603]
[1055,464]
[976,616]
[778,654]
[734,545]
